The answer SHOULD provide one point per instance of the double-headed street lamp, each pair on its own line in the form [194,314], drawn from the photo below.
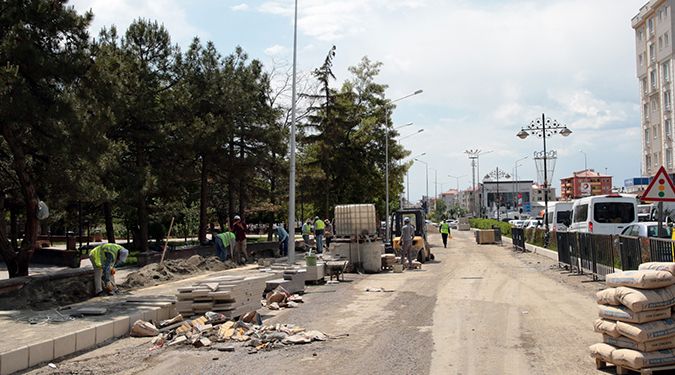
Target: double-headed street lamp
[496,174]
[426,199]
[544,127]
[474,156]
[386,153]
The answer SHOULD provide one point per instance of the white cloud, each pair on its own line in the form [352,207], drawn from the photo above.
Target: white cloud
[240,7]
[121,13]
[276,50]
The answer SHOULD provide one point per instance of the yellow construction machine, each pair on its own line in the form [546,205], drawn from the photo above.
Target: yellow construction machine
[418,220]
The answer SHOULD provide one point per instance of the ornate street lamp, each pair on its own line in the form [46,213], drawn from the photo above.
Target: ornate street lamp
[544,127]
[496,174]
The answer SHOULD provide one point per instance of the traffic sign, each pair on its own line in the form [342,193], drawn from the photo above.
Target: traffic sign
[661,188]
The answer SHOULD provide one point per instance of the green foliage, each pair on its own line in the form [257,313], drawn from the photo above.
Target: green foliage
[488,223]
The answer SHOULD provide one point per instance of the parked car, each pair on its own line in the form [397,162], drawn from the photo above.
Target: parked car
[517,223]
[531,223]
[454,224]
[604,214]
[646,229]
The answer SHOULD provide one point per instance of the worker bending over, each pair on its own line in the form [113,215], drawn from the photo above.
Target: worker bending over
[104,258]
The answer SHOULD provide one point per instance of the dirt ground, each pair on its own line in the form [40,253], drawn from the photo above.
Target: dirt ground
[173,269]
[476,310]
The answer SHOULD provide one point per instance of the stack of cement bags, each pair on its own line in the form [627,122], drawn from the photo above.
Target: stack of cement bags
[636,325]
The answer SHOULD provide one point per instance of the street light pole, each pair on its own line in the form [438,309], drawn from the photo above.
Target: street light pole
[426,199]
[585,160]
[544,128]
[474,155]
[407,178]
[291,182]
[515,184]
[496,174]
[386,156]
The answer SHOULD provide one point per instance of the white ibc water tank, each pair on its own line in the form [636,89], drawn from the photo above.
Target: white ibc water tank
[355,219]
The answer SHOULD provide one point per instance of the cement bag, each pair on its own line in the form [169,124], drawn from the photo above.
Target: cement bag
[143,329]
[606,327]
[645,279]
[602,351]
[639,360]
[647,346]
[646,299]
[607,297]
[658,266]
[624,314]
[647,331]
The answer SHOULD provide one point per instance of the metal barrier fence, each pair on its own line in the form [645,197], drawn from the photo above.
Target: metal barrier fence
[518,236]
[631,255]
[661,250]
[564,253]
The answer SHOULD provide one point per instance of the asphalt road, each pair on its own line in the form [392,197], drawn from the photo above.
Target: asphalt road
[476,310]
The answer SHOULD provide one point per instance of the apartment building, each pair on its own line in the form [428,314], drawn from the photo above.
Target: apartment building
[653,27]
[583,184]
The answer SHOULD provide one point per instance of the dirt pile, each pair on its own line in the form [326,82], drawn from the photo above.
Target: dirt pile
[174,269]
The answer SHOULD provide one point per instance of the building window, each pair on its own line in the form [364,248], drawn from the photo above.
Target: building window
[652,78]
[652,52]
[665,68]
[669,158]
[647,137]
[646,112]
[650,26]
[656,134]
[666,100]
[655,106]
[660,43]
[648,162]
[644,85]
[640,59]
[666,39]
[666,127]
[655,160]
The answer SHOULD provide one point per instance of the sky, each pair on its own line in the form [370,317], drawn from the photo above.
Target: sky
[487,68]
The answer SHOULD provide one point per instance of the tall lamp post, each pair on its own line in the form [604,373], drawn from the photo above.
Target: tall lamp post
[386,154]
[496,174]
[585,160]
[474,156]
[544,127]
[426,199]
[515,184]
[291,182]
[407,178]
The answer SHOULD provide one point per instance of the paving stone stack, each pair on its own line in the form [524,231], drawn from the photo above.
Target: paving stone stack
[635,318]
[231,296]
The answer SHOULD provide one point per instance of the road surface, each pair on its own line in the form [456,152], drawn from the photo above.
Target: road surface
[476,310]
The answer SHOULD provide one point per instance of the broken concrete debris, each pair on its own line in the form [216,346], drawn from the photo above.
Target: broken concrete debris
[205,333]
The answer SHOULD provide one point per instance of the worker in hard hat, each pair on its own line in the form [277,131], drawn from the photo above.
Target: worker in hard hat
[306,231]
[444,228]
[104,258]
[319,227]
[407,236]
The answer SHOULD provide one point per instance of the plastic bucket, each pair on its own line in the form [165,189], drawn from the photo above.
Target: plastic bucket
[310,260]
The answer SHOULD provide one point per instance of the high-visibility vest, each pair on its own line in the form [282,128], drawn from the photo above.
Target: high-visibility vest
[306,230]
[226,238]
[97,254]
[445,228]
[319,224]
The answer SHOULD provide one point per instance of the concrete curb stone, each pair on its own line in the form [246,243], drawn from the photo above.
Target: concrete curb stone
[40,352]
[14,360]
[64,345]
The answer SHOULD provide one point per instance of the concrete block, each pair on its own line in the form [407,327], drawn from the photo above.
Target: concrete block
[64,345]
[104,332]
[150,315]
[85,338]
[40,352]
[121,326]
[134,317]
[14,360]
[163,312]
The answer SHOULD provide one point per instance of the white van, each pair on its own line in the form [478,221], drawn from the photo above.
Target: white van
[559,216]
[604,214]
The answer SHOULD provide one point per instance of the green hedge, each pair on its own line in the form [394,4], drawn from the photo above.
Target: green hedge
[488,223]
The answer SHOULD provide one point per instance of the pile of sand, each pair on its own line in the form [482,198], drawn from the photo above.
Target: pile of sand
[174,269]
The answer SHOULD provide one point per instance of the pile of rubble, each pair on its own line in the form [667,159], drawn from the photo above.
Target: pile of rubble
[174,269]
[214,331]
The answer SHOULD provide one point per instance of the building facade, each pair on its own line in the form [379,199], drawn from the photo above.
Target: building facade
[653,27]
[583,184]
[450,197]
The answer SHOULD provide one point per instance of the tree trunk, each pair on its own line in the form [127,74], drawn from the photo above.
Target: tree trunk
[109,228]
[242,180]
[142,206]
[7,252]
[14,225]
[230,184]
[30,200]
[203,200]
[273,201]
